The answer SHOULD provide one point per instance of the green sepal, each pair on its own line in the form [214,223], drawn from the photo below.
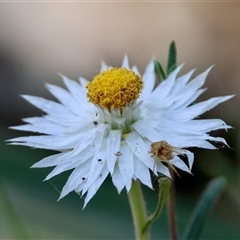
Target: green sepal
[207,199]
[164,189]
[172,58]
[159,71]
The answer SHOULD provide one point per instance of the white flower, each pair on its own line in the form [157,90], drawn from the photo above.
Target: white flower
[108,127]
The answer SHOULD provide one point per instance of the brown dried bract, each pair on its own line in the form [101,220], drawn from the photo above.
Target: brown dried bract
[164,152]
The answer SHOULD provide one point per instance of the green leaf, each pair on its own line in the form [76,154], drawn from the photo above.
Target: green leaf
[164,188]
[159,71]
[172,58]
[10,215]
[209,196]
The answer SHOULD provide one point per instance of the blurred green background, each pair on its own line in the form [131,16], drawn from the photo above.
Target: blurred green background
[38,40]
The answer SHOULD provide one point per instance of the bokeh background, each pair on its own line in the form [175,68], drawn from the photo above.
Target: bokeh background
[40,40]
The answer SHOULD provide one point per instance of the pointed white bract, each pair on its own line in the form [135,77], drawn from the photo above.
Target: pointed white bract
[94,142]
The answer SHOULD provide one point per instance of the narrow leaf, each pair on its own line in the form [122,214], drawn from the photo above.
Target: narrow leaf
[159,71]
[10,215]
[172,58]
[208,198]
[164,188]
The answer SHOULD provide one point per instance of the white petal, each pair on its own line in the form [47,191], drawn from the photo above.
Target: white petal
[78,176]
[47,142]
[184,141]
[117,179]
[100,132]
[64,97]
[97,164]
[149,80]
[72,121]
[198,81]
[125,63]
[207,125]
[125,163]
[73,159]
[77,91]
[185,100]
[80,187]
[196,109]
[104,66]
[141,172]
[52,142]
[181,82]
[150,133]
[218,139]
[192,127]
[83,83]
[49,161]
[135,69]
[189,93]
[177,162]
[61,168]
[95,186]
[190,157]
[85,141]
[192,86]
[165,86]
[113,146]
[47,106]
[162,169]
[139,149]
[43,125]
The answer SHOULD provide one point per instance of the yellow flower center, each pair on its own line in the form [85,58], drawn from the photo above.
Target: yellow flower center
[114,88]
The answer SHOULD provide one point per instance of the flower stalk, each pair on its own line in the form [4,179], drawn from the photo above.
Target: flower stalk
[171,211]
[138,209]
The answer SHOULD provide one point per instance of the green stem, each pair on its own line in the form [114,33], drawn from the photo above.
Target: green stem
[171,210]
[138,209]
[164,189]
